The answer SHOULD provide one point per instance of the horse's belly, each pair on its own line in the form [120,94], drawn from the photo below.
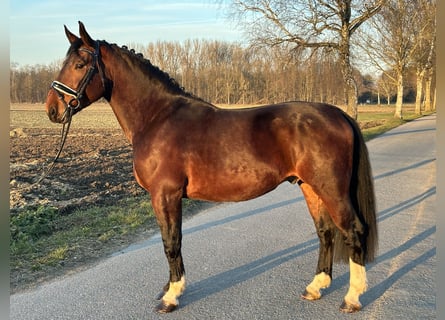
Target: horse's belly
[228,187]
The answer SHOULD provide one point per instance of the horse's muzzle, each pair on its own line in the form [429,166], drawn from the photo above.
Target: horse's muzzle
[56,117]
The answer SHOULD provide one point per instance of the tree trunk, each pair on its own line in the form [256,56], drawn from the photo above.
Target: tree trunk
[428,94]
[419,80]
[434,99]
[348,78]
[399,101]
[352,99]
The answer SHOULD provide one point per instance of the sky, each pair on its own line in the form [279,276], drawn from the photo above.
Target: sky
[37,36]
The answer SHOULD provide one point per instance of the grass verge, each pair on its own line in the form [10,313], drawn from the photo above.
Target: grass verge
[375,124]
[44,243]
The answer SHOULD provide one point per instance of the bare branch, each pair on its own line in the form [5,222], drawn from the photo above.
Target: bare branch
[369,12]
[310,24]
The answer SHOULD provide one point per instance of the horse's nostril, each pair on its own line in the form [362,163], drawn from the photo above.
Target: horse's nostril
[53,112]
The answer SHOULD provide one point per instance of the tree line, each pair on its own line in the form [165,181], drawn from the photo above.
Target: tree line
[223,73]
[290,56]
[393,35]
[31,83]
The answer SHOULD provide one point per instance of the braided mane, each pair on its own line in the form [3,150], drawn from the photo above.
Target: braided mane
[153,71]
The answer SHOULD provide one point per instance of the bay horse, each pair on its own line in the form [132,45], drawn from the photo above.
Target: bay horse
[184,147]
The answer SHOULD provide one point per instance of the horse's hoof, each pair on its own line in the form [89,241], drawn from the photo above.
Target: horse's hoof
[164,308]
[350,308]
[306,295]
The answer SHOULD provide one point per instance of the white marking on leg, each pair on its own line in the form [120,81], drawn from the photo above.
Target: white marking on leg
[357,284]
[174,292]
[321,281]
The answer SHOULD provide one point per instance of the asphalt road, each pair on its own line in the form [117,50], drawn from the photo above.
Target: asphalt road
[251,260]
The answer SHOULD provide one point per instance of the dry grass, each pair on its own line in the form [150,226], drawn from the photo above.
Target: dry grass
[100,115]
[97,116]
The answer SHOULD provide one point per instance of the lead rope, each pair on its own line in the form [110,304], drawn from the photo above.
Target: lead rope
[68,113]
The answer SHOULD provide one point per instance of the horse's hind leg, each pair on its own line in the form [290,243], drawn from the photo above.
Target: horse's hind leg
[358,284]
[325,231]
[354,237]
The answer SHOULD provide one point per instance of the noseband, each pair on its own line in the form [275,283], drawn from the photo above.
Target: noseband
[62,89]
[75,103]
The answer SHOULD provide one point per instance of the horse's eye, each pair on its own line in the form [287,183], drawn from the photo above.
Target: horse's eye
[79,65]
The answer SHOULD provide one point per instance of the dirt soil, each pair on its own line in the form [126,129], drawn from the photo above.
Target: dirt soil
[95,166]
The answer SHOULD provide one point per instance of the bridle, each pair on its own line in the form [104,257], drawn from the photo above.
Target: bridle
[62,89]
[75,105]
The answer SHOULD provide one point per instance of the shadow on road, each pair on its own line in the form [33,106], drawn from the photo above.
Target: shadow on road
[387,213]
[157,238]
[415,165]
[378,290]
[227,279]
[240,216]
[395,133]
[222,281]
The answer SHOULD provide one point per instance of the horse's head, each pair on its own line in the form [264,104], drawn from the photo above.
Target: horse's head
[81,80]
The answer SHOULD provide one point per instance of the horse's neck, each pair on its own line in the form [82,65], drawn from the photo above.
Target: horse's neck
[137,100]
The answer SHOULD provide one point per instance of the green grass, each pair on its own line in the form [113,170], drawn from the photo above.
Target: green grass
[386,122]
[43,241]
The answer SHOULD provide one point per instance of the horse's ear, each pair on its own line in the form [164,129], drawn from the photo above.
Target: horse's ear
[71,37]
[85,36]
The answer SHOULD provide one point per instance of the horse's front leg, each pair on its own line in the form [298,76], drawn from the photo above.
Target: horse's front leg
[168,210]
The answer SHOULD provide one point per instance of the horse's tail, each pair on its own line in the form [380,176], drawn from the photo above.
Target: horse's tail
[363,198]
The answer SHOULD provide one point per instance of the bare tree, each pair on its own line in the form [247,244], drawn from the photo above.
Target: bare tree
[31,83]
[424,52]
[386,84]
[424,38]
[392,39]
[312,24]
[429,44]
[219,72]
